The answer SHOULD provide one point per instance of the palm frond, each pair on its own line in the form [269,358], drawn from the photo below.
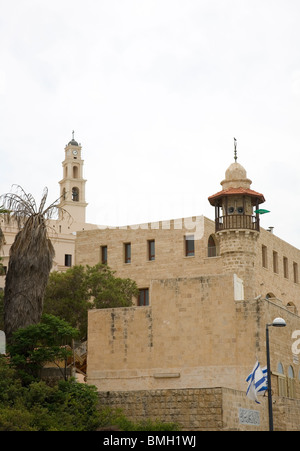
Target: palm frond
[22,206]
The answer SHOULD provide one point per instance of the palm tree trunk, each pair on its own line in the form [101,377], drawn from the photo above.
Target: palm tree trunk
[30,263]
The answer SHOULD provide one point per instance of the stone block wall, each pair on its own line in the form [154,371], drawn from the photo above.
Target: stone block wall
[205,409]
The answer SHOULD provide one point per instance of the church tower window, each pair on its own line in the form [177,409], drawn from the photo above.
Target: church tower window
[75,194]
[75,172]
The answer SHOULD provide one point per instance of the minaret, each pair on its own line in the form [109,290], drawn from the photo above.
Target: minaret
[237,224]
[72,186]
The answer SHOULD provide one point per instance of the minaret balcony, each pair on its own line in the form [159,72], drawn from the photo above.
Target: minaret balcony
[241,221]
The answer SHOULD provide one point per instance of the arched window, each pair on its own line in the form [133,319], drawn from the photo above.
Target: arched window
[281,380]
[75,194]
[291,374]
[291,382]
[280,368]
[270,296]
[292,308]
[64,194]
[211,248]
[75,172]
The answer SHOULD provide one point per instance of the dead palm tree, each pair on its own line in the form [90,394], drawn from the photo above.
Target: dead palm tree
[2,239]
[31,257]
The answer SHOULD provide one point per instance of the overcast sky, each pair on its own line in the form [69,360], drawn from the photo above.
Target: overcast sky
[155,91]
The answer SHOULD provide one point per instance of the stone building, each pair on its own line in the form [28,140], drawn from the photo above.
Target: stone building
[207,290]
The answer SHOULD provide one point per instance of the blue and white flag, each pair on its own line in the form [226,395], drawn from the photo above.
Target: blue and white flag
[257,382]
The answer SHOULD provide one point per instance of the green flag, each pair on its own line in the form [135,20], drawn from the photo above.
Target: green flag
[261,212]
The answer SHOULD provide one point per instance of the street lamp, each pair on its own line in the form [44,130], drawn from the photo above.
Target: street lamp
[278,322]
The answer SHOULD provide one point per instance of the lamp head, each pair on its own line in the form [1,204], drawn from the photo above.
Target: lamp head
[279,322]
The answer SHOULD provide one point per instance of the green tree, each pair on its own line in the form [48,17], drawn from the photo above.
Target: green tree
[67,297]
[68,406]
[30,262]
[34,346]
[108,291]
[71,294]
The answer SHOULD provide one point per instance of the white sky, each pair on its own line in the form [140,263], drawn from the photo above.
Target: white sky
[155,91]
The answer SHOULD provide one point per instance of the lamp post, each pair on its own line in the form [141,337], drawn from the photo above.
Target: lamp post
[278,322]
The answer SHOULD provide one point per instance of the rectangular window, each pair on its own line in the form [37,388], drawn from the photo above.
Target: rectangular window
[151,250]
[127,248]
[264,256]
[68,260]
[275,262]
[143,297]
[285,268]
[189,246]
[104,255]
[295,271]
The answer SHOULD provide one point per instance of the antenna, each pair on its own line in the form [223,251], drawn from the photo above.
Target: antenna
[235,149]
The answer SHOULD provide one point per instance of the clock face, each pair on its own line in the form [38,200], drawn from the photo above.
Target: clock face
[75,152]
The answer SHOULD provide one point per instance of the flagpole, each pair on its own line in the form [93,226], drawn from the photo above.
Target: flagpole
[270,404]
[278,322]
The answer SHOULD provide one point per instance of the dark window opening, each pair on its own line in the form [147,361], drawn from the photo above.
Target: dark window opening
[75,195]
[189,246]
[143,299]
[151,250]
[127,247]
[104,255]
[68,260]
[211,248]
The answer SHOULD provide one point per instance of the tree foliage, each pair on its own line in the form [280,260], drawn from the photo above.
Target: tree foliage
[71,294]
[34,346]
[68,406]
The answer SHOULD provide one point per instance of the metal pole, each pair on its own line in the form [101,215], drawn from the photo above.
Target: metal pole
[270,405]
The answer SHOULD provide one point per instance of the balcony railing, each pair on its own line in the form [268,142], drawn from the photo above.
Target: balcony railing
[237,222]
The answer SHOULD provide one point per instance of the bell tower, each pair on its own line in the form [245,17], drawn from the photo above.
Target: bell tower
[237,224]
[72,186]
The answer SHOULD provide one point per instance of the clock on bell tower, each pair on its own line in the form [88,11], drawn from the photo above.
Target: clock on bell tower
[72,186]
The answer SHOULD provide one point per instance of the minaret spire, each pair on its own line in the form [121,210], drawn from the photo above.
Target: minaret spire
[235,149]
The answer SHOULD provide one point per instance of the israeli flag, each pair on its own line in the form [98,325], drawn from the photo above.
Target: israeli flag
[257,382]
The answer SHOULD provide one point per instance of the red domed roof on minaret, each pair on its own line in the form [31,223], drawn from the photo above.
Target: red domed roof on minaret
[235,183]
